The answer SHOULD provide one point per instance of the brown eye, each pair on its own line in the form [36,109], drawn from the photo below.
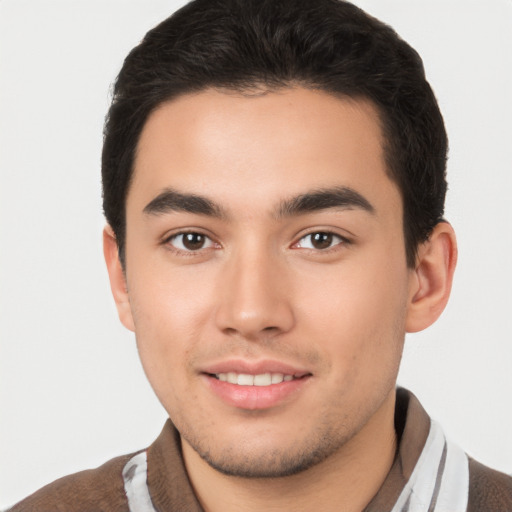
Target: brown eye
[320,240]
[190,241]
[193,241]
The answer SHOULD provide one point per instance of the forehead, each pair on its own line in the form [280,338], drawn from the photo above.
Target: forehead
[241,148]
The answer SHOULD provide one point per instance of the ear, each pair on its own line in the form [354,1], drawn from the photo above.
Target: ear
[431,282]
[117,278]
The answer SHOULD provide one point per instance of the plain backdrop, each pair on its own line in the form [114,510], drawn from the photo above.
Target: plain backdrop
[72,392]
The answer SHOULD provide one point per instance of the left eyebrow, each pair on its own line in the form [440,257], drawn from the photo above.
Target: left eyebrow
[344,198]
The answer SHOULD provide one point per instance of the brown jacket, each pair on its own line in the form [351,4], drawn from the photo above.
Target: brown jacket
[102,489]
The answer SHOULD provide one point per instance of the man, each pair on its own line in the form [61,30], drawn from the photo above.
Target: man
[274,185]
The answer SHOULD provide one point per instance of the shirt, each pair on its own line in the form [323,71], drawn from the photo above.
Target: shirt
[429,474]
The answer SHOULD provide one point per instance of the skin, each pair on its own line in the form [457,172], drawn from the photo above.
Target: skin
[259,289]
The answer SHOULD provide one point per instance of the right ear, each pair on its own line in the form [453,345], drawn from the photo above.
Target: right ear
[117,278]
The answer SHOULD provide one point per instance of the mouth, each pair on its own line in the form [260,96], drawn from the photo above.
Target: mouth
[261,379]
[260,386]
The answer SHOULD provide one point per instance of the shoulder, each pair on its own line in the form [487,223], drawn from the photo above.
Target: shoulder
[489,490]
[100,489]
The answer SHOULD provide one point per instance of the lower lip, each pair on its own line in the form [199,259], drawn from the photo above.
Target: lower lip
[255,397]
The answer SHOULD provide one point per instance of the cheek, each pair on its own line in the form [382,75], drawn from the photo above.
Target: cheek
[166,298]
[170,312]
[358,319]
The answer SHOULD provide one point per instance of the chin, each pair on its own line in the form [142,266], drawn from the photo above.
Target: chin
[264,461]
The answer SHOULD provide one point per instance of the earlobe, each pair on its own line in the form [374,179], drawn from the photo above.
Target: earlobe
[117,278]
[432,278]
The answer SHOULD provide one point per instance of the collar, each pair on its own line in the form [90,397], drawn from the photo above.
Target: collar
[412,425]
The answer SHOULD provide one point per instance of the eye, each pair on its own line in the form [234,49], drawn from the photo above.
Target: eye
[191,241]
[320,240]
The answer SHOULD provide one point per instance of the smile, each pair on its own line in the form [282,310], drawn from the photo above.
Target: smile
[262,379]
[253,391]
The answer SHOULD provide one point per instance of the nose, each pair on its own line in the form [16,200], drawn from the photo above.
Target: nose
[255,301]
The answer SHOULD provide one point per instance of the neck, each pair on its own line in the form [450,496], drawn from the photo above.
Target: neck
[352,476]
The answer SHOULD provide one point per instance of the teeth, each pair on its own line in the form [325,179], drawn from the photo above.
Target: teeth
[277,378]
[245,380]
[263,379]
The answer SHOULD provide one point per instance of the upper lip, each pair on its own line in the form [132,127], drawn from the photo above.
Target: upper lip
[254,367]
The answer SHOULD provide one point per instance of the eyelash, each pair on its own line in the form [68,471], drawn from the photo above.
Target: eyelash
[341,241]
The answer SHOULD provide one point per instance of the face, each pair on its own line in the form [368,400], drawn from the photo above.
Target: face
[266,274]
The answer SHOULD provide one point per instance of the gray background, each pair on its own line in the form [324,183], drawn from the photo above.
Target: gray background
[72,392]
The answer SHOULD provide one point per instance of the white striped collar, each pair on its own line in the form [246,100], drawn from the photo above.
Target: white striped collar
[440,480]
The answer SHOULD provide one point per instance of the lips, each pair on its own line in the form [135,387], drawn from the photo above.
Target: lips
[249,385]
[241,366]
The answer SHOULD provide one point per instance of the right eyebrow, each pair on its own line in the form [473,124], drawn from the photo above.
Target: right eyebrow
[171,200]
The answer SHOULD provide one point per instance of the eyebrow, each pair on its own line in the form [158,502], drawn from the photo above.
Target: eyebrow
[344,198]
[171,200]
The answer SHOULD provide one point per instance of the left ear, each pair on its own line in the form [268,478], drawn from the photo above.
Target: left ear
[432,278]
